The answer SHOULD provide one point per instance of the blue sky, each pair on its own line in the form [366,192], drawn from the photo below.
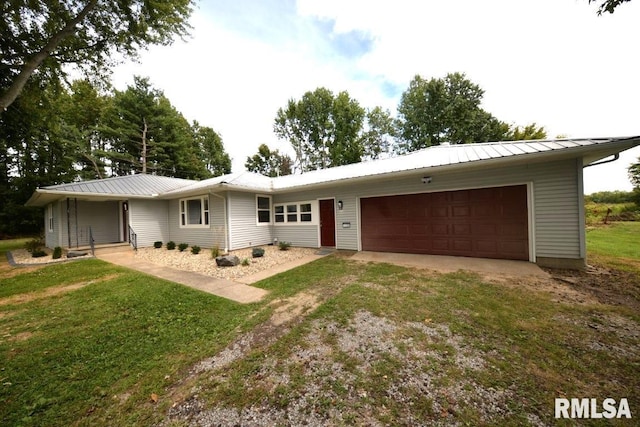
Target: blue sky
[552,62]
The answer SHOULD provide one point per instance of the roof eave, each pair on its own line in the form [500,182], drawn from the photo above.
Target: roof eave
[596,153]
[39,197]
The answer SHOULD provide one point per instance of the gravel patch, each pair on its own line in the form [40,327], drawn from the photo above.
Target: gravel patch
[203,263]
[23,257]
[338,390]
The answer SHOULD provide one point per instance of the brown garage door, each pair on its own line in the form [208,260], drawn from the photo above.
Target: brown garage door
[485,223]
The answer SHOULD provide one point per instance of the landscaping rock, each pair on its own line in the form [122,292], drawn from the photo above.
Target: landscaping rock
[227,261]
[75,254]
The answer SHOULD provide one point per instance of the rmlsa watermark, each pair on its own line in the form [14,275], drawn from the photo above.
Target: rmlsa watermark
[592,408]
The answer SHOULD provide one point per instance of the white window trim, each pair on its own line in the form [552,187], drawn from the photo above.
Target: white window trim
[202,212]
[50,218]
[314,213]
[258,223]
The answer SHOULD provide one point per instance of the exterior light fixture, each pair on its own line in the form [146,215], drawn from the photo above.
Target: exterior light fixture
[340,205]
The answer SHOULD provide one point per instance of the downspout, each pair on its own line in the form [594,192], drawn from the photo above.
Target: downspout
[226,223]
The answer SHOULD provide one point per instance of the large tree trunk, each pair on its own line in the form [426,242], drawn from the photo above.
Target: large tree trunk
[7,98]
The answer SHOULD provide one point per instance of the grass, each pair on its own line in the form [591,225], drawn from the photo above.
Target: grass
[616,245]
[385,345]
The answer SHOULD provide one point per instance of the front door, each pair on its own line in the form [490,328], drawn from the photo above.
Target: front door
[327,223]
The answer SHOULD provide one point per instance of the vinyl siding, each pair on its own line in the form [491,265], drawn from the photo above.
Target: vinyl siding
[149,220]
[555,199]
[205,237]
[52,238]
[243,227]
[102,217]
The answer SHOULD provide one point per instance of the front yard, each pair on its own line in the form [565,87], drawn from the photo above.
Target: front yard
[336,343]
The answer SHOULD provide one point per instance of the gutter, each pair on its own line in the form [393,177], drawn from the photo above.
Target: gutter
[602,162]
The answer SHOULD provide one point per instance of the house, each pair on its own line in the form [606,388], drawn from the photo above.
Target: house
[511,200]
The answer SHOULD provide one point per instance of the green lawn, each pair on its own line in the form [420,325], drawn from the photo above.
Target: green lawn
[617,244]
[383,344]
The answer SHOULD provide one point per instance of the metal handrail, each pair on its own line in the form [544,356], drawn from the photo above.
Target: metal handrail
[92,242]
[133,239]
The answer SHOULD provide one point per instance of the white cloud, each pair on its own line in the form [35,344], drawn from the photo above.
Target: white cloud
[553,62]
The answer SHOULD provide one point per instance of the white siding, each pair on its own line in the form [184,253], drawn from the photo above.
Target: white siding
[53,237]
[555,194]
[243,227]
[149,219]
[205,237]
[298,235]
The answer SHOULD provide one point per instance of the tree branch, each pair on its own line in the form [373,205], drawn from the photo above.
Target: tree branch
[34,62]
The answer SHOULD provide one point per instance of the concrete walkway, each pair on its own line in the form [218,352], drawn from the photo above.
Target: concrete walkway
[229,289]
[448,264]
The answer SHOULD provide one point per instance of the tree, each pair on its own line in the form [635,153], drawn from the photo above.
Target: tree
[322,128]
[608,5]
[531,131]
[634,173]
[211,150]
[269,163]
[46,35]
[379,136]
[444,110]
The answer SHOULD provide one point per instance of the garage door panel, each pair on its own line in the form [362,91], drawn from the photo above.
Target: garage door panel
[489,222]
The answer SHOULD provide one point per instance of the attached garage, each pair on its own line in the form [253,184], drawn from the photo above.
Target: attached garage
[484,223]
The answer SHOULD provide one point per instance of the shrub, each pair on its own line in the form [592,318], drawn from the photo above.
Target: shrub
[33,245]
[257,252]
[57,252]
[171,245]
[182,247]
[246,262]
[157,244]
[38,253]
[284,246]
[195,249]
[215,252]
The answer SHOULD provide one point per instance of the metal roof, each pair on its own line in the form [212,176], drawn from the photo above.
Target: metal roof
[138,185]
[440,157]
[459,156]
[249,181]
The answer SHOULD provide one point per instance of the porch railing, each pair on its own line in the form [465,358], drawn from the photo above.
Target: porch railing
[133,239]
[92,242]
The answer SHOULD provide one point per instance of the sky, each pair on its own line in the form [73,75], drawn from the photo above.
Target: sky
[555,63]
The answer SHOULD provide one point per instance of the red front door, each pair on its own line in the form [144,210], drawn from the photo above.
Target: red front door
[327,223]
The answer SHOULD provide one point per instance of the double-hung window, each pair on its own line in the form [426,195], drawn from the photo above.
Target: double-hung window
[50,217]
[263,210]
[194,212]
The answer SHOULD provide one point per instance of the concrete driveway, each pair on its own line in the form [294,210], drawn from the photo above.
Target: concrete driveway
[448,264]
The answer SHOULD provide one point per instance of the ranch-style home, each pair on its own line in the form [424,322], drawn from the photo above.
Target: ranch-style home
[508,200]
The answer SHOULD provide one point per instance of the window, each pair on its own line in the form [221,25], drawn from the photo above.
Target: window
[293,213]
[50,217]
[194,212]
[263,209]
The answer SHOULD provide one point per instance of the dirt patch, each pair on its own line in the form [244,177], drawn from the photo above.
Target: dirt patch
[51,291]
[605,286]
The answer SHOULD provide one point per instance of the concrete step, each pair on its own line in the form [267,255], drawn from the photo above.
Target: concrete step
[107,248]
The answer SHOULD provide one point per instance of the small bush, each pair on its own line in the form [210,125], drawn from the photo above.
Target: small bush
[33,245]
[157,244]
[246,262]
[57,252]
[257,252]
[38,253]
[182,247]
[171,245]
[284,246]
[195,249]
[215,252]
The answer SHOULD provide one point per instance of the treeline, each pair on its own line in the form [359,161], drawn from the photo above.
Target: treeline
[327,129]
[54,133]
